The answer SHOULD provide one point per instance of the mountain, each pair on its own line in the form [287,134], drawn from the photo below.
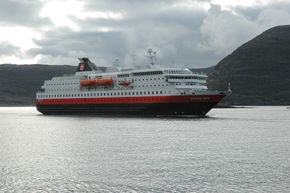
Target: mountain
[207,70]
[18,83]
[258,71]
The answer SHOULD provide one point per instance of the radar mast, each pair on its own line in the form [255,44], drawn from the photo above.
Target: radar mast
[152,55]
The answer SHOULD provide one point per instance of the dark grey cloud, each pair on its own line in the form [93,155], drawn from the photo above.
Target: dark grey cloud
[63,42]
[22,12]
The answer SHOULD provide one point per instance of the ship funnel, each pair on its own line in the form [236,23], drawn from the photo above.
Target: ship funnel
[86,65]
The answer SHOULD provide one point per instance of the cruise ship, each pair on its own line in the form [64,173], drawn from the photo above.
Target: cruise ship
[149,91]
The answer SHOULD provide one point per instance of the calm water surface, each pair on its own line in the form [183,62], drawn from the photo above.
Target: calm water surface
[233,150]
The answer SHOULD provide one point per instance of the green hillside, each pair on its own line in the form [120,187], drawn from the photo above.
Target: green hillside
[18,83]
[259,70]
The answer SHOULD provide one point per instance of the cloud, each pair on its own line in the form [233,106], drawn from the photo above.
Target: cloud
[21,12]
[172,30]
[185,33]
[65,43]
[6,49]
[222,31]
[271,17]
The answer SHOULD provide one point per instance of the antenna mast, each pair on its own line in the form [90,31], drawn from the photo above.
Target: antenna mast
[152,55]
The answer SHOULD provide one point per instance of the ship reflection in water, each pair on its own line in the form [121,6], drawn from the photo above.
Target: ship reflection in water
[233,150]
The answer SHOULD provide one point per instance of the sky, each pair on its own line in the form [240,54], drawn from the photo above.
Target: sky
[184,33]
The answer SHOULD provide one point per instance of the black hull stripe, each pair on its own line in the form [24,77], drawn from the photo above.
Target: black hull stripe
[130,109]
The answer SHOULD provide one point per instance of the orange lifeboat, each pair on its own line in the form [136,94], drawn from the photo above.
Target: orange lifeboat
[87,82]
[105,82]
[97,82]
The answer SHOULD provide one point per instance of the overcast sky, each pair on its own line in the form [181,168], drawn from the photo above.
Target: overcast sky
[185,33]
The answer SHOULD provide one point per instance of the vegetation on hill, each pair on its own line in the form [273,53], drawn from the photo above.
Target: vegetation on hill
[18,83]
[258,71]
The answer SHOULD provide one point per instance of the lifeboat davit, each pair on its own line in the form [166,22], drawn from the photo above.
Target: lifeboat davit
[124,83]
[97,82]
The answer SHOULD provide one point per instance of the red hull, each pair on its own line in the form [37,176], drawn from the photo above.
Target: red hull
[133,100]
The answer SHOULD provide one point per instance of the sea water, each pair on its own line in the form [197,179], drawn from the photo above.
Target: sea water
[231,150]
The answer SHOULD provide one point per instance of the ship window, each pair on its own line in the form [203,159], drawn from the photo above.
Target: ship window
[101,94]
[121,93]
[140,92]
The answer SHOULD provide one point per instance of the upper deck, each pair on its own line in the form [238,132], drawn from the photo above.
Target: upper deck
[173,81]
